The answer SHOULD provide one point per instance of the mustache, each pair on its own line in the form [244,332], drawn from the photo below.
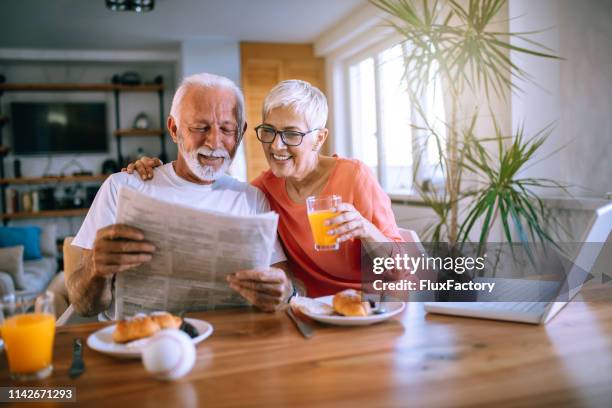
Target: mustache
[205,151]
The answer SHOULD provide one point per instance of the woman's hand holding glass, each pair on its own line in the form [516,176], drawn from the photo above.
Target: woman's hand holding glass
[351,224]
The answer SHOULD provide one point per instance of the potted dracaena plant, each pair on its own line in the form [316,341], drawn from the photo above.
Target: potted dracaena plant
[456,44]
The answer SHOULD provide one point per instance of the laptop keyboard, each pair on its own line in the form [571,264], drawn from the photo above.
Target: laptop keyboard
[520,307]
[520,291]
[504,297]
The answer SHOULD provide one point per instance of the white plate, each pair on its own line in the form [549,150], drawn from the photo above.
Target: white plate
[102,340]
[393,308]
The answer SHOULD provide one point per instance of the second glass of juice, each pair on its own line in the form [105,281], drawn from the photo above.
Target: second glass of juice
[28,329]
[320,209]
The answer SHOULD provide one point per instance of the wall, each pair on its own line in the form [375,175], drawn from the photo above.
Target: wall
[574,94]
[220,57]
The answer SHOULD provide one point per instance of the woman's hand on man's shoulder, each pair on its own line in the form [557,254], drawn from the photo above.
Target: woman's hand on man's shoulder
[143,166]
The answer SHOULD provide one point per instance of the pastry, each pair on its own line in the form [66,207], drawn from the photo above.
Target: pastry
[348,303]
[166,321]
[311,306]
[141,326]
[135,328]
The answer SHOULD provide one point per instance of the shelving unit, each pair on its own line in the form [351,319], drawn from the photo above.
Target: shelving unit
[64,212]
[70,212]
[46,180]
[119,134]
[80,87]
[139,132]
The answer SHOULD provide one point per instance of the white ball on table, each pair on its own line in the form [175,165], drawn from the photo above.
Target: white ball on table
[169,355]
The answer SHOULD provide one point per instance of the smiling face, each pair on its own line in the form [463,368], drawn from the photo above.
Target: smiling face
[292,161]
[206,133]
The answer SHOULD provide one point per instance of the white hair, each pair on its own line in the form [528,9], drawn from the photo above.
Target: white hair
[206,80]
[300,96]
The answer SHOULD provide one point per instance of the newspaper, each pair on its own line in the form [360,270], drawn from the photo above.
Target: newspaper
[195,251]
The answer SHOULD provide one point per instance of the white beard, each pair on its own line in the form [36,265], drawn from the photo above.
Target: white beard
[205,173]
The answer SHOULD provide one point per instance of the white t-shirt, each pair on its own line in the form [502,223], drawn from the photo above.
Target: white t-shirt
[226,195]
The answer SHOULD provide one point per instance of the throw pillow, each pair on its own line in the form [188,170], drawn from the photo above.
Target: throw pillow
[29,237]
[11,262]
[48,245]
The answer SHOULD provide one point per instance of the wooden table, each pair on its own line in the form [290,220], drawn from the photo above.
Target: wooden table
[259,359]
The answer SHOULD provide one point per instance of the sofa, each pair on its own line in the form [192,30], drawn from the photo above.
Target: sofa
[37,273]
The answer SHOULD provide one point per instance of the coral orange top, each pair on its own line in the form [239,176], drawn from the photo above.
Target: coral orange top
[327,272]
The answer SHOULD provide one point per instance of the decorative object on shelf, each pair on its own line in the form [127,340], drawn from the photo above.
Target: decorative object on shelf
[17,168]
[127,78]
[10,201]
[131,78]
[26,201]
[74,163]
[47,198]
[110,166]
[82,173]
[138,6]
[142,121]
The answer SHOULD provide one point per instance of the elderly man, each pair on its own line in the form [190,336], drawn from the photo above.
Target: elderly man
[207,121]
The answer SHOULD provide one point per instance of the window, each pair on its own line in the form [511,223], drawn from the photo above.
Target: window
[381,118]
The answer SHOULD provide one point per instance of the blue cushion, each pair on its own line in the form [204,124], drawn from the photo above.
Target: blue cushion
[29,237]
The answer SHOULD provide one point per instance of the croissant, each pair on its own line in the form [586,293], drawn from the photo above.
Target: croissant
[348,303]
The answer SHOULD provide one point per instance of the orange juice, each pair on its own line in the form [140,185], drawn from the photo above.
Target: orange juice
[323,241]
[28,339]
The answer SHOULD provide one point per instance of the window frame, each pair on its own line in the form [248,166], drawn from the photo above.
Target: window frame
[374,51]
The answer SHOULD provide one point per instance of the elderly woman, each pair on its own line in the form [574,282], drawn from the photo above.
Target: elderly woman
[292,133]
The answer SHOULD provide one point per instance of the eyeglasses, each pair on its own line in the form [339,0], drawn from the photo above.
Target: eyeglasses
[267,134]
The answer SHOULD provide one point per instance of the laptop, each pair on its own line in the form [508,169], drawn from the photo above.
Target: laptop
[559,293]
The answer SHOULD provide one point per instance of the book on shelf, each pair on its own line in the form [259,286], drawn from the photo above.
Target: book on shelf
[21,201]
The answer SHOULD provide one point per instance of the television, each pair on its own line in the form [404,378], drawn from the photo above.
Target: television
[59,127]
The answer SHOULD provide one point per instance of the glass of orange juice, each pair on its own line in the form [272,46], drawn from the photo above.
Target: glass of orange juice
[28,329]
[320,209]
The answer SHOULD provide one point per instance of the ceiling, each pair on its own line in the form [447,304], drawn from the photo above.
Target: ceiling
[87,24]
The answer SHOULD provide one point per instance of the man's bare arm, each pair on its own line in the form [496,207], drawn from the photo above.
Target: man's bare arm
[89,294]
[116,248]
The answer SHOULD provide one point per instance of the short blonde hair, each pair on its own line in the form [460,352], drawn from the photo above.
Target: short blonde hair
[302,97]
